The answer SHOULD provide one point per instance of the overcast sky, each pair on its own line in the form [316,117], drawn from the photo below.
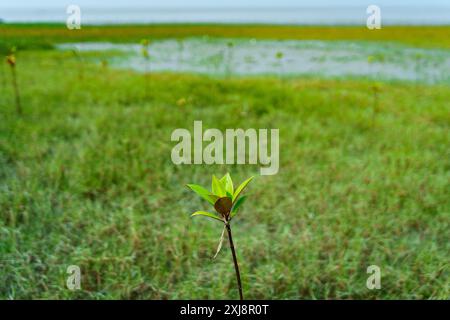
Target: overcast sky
[216,3]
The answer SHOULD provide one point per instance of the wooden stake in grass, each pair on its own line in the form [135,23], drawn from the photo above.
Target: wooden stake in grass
[11,60]
[226,202]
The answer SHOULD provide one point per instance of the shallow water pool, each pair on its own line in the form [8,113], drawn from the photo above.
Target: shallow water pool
[239,57]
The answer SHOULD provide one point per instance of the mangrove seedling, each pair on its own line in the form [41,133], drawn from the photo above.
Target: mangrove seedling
[230,46]
[279,55]
[146,55]
[371,60]
[11,60]
[180,53]
[376,89]
[104,64]
[76,54]
[226,201]
[3,75]
[419,59]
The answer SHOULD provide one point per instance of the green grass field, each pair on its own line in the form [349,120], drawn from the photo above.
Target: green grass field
[86,177]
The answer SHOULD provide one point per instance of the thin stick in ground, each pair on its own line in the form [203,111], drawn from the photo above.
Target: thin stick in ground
[16,92]
[11,60]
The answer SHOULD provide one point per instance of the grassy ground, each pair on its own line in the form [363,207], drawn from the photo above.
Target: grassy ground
[86,179]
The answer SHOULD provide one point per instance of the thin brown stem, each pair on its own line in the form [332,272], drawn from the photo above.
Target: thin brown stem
[236,266]
[147,77]
[16,90]
[4,75]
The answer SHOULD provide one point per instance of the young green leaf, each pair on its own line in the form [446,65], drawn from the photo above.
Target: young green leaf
[206,214]
[223,180]
[241,188]
[202,192]
[236,206]
[217,187]
[214,198]
[228,183]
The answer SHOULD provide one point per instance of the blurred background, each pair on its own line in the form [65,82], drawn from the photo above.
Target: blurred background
[86,176]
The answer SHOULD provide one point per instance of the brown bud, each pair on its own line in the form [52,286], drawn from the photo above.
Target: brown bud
[11,60]
[223,206]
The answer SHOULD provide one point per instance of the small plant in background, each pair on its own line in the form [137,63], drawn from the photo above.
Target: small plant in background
[76,54]
[376,86]
[3,75]
[144,51]
[180,53]
[376,89]
[230,46]
[371,60]
[104,64]
[181,102]
[146,55]
[11,61]
[279,55]
[226,201]
[419,66]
